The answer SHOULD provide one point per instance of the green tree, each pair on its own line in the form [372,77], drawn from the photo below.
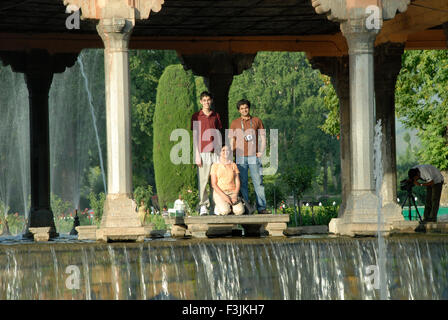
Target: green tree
[298,178]
[332,124]
[422,102]
[273,190]
[97,204]
[176,102]
[143,194]
[284,93]
[404,163]
[146,68]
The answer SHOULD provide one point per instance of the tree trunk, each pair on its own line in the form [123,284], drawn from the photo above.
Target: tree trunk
[295,210]
[325,180]
[333,172]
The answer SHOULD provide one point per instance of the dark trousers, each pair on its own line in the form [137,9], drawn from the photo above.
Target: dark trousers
[432,202]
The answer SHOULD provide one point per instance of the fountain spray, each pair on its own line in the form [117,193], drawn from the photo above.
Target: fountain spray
[86,83]
[378,181]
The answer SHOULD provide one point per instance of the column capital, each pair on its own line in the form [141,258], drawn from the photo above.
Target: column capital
[38,60]
[103,9]
[217,62]
[356,17]
[115,33]
[388,62]
[343,10]
[445,29]
[337,68]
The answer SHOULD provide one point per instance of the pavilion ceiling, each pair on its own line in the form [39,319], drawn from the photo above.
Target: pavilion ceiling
[192,26]
[181,18]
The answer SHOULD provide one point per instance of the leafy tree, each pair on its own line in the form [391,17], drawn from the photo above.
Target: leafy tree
[146,68]
[143,194]
[176,102]
[422,102]
[284,93]
[190,195]
[298,178]
[97,204]
[273,190]
[332,124]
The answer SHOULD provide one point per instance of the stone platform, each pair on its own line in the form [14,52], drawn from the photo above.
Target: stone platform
[408,227]
[213,226]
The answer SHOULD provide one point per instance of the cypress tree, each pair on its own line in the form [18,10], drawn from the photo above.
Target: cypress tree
[175,104]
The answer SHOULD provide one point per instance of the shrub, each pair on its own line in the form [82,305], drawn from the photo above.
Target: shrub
[175,104]
[143,194]
[322,215]
[190,196]
[97,204]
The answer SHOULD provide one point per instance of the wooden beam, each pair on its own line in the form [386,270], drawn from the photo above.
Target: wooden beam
[327,45]
[417,18]
[331,45]
[427,40]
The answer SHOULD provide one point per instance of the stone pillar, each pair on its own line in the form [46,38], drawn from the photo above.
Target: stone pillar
[362,203]
[116,21]
[218,69]
[39,66]
[361,213]
[337,69]
[387,68]
[120,219]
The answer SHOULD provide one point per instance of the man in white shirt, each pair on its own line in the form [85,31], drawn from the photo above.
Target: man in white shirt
[179,206]
[433,181]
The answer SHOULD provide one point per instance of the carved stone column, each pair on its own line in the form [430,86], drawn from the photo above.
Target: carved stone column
[361,213]
[387,68]
[116,22]
[218,69]
[337,69]
[120,220]
[39,66]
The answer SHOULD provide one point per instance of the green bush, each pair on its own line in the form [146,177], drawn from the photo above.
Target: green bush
[143,194]
[158,221]
[322,215]
[175,104]
[190,196]
[97,205]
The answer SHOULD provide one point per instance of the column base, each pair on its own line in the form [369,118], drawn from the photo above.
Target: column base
[39,222]
[86,232]
[120,220]
[361,216]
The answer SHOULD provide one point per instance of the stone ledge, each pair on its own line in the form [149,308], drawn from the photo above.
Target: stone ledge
[86,232]
[42,233]
[150,232]
[178,231]
[121,234]
[243,219]
[296,231]
[409,227]
[156,234]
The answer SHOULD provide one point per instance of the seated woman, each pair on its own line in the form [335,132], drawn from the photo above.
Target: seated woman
[226,185]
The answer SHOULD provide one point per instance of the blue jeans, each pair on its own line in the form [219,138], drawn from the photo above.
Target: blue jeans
[253,164]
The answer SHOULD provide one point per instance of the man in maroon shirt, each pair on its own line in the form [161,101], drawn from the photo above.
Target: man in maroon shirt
[206,126]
